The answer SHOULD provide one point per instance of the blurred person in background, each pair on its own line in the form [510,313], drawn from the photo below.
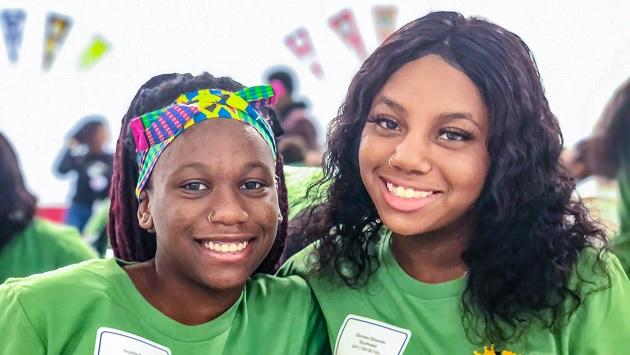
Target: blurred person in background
[299,144]
[85,156]
[282,81]
[29,245]
[606,154]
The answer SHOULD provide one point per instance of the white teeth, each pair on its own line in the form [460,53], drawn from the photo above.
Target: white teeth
[403,192]
[224,247]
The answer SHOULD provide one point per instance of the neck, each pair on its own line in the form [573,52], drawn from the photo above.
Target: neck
[183,300]
[435,256]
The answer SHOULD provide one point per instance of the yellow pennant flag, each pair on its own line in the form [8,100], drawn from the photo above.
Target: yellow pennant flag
[57,28]
[94,51]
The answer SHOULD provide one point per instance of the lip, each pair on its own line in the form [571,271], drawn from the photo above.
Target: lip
[217,257]
[405,204]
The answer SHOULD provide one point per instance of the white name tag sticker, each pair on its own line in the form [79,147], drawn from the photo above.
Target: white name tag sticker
[116,342]
[359,335]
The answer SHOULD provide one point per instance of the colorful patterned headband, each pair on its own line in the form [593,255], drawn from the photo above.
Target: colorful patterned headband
[154,131]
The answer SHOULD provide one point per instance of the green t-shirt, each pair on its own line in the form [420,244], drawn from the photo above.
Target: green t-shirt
[94,308]
[298,179]
[621,243]
[394,311]
[42,246]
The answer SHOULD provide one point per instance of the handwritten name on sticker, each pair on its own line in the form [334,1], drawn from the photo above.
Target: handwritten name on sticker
[359,336]
[117,342]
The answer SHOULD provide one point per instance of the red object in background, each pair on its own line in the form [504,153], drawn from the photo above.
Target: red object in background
[55,214]
[345,26]
[299,42]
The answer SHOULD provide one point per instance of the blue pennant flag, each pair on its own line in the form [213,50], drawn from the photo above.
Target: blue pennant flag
[13,27]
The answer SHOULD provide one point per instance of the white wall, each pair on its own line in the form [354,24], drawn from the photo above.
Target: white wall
[582,48]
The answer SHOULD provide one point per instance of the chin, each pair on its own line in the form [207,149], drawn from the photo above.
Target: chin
[403,226]
[226,283]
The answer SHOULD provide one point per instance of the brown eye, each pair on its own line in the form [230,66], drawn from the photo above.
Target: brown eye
[195,186]
[384,122]
[454,135]
[387,124]
[252,185]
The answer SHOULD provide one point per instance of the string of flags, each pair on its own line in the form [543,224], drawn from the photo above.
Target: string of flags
[56,30]
[384,20]
[343,23]
[299,42]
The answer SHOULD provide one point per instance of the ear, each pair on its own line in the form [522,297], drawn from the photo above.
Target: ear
[145,220]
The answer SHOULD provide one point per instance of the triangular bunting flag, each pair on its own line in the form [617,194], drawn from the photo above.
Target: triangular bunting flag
[94,51]
[13,28]
[57,28]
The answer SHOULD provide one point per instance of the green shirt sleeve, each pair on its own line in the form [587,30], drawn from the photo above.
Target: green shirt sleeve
[621,243]
[296,264]
[18,335]
[298,180]
[317,335]
[72,248]
[601,325]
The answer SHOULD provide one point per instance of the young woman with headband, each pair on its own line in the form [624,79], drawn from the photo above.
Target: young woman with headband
[198,206]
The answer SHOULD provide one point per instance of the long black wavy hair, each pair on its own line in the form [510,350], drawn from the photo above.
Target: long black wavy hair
[530,231]
[129,241]
[17,204]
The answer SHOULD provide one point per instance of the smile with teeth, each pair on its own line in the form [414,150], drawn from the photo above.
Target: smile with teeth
[225,247]
[406,192]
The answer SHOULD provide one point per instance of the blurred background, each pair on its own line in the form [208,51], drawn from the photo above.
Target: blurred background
[99,52]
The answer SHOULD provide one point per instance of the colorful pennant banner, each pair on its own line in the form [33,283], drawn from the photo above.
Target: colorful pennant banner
[299,42]
[57,28]
[345,26]
[94,51]
[13,28]
[384,21]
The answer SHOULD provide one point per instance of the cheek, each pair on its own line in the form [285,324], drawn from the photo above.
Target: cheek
[372,150]
[169,221]
[469,172]
[266,212]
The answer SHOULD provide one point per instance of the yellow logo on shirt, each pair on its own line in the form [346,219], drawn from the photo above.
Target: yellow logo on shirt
[491,351]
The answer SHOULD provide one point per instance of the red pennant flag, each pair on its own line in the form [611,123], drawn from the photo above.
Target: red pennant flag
[384,21]
[344,25]
[299,42]
[57,28]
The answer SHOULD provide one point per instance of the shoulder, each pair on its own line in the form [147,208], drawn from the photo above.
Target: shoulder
[263,285]
[275,292]
[600,323]
[64,239]
[597,269]
[48,229]
[54,285]
[302,263]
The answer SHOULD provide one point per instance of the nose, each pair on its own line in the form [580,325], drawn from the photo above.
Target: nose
[227,209]
[412,155]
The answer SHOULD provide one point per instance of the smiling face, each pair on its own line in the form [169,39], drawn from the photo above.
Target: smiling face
[423,156]
[213,204]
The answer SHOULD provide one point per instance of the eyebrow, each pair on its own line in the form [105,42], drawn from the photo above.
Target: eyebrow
[390,103]
[252,165]
[249,166]
[443,116]
[459,115]
[192,165]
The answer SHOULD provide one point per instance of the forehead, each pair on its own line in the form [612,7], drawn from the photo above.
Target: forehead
[220,144]
[432,85]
